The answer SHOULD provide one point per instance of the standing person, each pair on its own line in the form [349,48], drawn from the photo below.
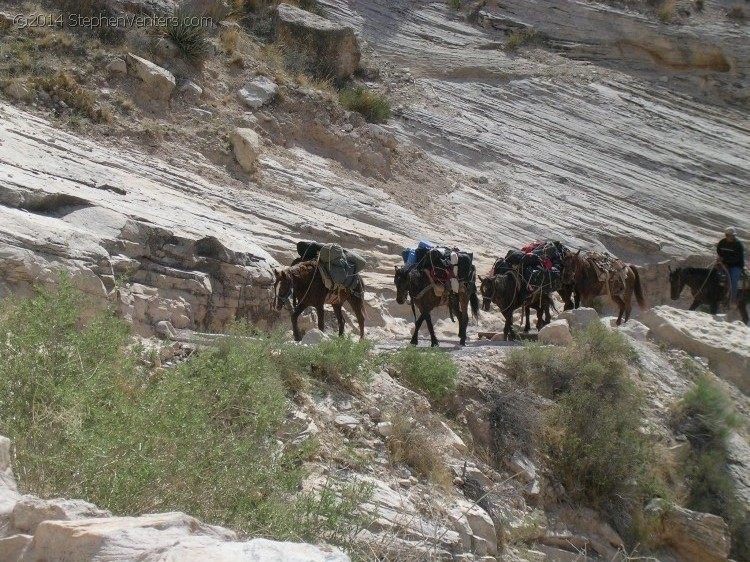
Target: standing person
[731,254]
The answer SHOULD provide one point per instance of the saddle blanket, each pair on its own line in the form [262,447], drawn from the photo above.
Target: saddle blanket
[609,269]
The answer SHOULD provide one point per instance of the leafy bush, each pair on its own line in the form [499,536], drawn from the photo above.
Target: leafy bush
[341,361]
[87,421]
[373,106]
[187,32]
[429,370]
[412,443]
[75,96]
[592,433]
[525,36]
[706,417]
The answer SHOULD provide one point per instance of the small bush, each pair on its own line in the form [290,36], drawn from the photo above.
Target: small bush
[75,96]
[516,422]
[592,433]
[340,361]
[373,106]
[706,417]
[736,13]
[429,370]
[412,443]
[522,37]
[666,12]
[186,31]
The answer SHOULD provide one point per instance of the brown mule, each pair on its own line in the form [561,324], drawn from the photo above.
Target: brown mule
[581,272]
[301,286]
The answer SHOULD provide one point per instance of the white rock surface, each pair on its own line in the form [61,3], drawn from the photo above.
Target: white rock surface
[159,537]
[30,511]
[258,92]
[726,345]
[556,332]
[579,318]
[246,145]
[158,82]
[314,336]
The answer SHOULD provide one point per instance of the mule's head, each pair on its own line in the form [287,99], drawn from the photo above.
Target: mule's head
[283,287]
[570,267]
[487,288]
[676,283]
[401,280]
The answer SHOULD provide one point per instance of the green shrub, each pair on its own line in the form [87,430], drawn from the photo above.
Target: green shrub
[373,106]
[521,37]
[706,417]
[187,32]
[341,361]
[592,434]
[200,438]
[412,443]
[550,370]
[429,370]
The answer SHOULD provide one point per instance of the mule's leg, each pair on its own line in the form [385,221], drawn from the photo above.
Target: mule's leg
[320,312]
[540,318]
[417,326]
[295,328]
[463,318]
[339,317]
[621,305]
[627,301]
[527,312]
[714,307]
[358,308]
[508,328]
[433,339]
[695,304]
[742,307]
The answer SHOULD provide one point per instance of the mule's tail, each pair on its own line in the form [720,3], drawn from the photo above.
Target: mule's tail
[474,301]
[638,288]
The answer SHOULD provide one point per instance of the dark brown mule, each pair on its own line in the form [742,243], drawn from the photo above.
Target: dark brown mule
[581,272]
[416,284]
[706,288]
[507,291]
[301,286]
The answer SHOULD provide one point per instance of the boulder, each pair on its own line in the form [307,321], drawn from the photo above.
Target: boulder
[726,345]
[313,337]
[246,147]
[556,332]
[6,21]
[694,536]
[483,536]
[346,422]
[454,440]
[258,92]
[30,511]
[117,66]
[331,46]
[162,536]
[579,318]
[158,82]
[191,91]
[635,330]
[18,91]
[385,429]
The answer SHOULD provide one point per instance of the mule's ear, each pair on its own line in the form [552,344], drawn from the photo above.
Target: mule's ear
[578,252]
[276,274]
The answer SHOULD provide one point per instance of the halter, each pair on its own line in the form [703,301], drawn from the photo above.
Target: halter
[286,298]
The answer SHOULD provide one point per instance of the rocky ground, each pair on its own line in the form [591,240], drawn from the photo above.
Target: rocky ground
[619,128]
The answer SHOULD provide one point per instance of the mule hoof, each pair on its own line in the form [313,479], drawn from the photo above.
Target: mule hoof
[435,344]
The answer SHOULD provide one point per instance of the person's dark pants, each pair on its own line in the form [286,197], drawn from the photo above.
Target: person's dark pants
[734,278]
